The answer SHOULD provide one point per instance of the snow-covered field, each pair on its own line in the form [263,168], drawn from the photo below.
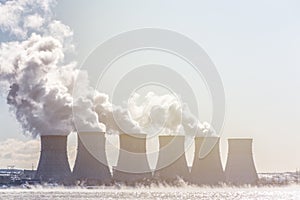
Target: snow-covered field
[189,192]
[271,186]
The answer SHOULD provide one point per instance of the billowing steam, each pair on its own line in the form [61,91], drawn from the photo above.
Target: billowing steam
[22,17]
[116,119]
[166,115]
[39,84]
[37,81]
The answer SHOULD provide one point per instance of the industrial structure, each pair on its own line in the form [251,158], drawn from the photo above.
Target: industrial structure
[171,163]
[207,170]
[91,165]
[53,164]
[132,166]
[240,168]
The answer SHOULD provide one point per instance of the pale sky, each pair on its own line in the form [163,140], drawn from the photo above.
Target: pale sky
[255,46]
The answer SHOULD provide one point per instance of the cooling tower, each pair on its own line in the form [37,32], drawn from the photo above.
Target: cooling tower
[171,162]
[240,168]
[91,164]
[208,170]
[53,164]
[132,166]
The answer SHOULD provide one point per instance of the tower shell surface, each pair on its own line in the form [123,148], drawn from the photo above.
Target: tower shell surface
[240,168]
[91,163]
[207,170]
[132,166]
[171,163]
[53,164]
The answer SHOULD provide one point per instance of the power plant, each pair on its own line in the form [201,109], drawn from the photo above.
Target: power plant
[132,166]
[171,163]
[208,170]
[53,164]
[91,164]
[52,92]
[240,168]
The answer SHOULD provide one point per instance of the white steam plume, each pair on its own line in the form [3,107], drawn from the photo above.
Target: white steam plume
[39,84]
[165,114]
[22,17]
[117,119]
[34,77]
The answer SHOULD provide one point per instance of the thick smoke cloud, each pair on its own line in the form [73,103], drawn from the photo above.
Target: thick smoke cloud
[117,120]
[22,17]
[40,100]
[166,114]
[38,84]
[34,76]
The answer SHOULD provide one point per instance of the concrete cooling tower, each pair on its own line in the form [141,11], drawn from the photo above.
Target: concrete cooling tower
[208,170]
[240,168]
[132,166]
[91,164]
[53,164]
[171,163]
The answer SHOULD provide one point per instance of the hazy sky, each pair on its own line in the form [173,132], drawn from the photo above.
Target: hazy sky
[255,46]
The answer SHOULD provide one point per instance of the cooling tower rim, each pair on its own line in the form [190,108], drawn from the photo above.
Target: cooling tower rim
[240,139]
[90,132]
[166,140]
[173,136]
[214,137]
[53,135]
[135,135]
[80,133]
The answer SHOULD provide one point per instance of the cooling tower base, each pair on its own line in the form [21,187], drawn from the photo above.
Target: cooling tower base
[240,167]
[132,179]
[53,164]
[91,167]
[208,170]
[132,167]
[171,166]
